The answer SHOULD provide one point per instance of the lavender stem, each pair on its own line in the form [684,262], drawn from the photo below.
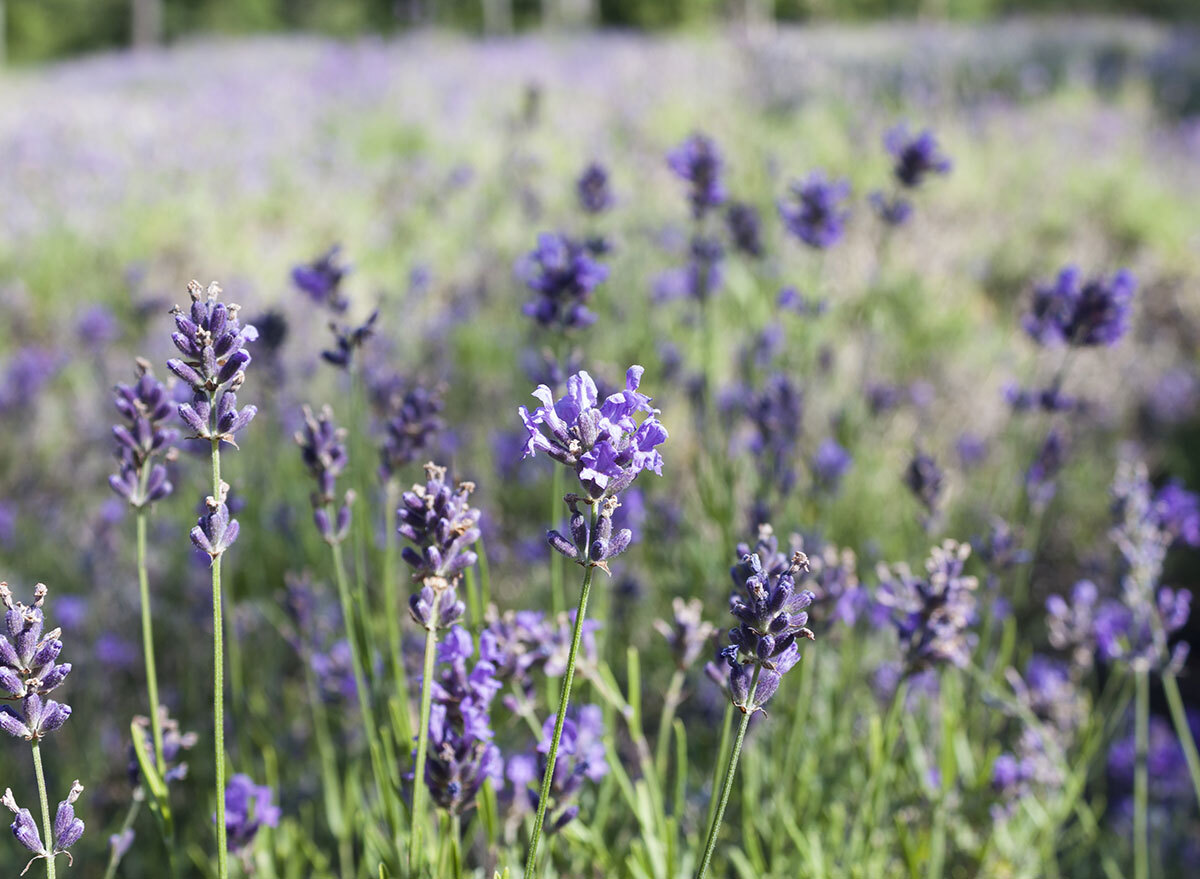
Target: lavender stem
[219,682]
[48,827]
[563,701]
[727,785]
[418,813]
[1141,842]
[148,641]
[1183,730]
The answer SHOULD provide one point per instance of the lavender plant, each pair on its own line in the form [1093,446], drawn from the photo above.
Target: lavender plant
[213,343]
[29,672]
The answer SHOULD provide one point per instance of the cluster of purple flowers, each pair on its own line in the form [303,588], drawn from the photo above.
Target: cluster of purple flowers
[142,438]
[248,807]
[175,742]
[745,228]
[931,613]
[593,189]
[915,158]
[926,481]
[322,280]
[563,273]
[412,418]
[1081,313]
[438,518]
[317,634]
[323,450]
[29,672]
[580,759]
[462,754]
[772,615]
[698,162]
[602,441]
[348,340]
[813,212]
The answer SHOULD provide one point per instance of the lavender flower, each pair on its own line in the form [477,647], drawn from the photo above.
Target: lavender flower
[26,373]
[917,156]
[1072,625]
[563,274]
[348,340]
[588,545]
[931,613]
[175,742]
[745,228]
[926,481]
[688,634]
[461,752]
[603,442]
[412,421]
[29,669]
[144,406]
[1049,399]
[812,210]
[438,518]
[67,828]
[1178,513]
[322,280]
[1081,313]
[771,617]
[1043,471]
[830,464]
[776,414]
[592,188]
[248,807]
[216,530]
[323,449]
[894,210]
[698,162]
[580,759]
[793,300]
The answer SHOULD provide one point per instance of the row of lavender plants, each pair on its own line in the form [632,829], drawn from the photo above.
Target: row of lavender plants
[954,717]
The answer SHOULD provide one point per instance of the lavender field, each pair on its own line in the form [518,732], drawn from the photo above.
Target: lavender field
[735,454]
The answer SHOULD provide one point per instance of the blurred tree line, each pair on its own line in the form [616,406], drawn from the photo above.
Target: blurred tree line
[37,29]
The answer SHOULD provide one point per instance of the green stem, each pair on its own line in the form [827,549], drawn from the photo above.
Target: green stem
[219,681]
[1141,841]
[148,642]
[563,701]
[1183,730]
[670,703]
[727,785]
[48,828]
[391,597]
[722,757]
[418,798]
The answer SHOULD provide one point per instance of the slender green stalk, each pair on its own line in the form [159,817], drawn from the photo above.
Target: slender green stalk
[48,828]
[727,786]
[219,682]
[558,599]
[391,596]
[670,703]
[563,701]
[1141,841]
[722,758]
[114,858]
[1183,730]
[148,642]
[418,798]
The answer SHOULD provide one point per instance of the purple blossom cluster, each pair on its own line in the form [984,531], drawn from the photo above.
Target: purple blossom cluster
[698,162]
[1081,313]
[813,210]
[143,442]
[29,670]
[563,273]
[443,527]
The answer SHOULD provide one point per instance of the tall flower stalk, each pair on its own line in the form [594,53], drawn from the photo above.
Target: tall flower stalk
[439,520]
[762,647]
[143,444]
[214,362]
[607,447]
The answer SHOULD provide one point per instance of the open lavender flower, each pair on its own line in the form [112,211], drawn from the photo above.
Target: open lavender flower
[931,613]
[581,758]
[438,518]
[771,616]
[213,344]
[917,156]
[602,442]
[1081,313]
[322,280]
[462,754]
[745,228]
[67,828]
[323,449]
[143,438]
[592,188]
[248,807]
[812,210]
[563,274]
[698,162]
[412,419]
[348,340]
[29,670]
